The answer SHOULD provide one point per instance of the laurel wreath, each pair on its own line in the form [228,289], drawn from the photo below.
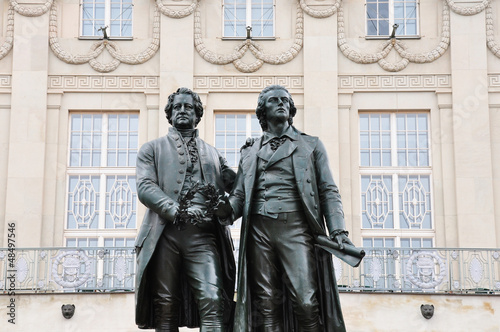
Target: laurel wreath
[209,191]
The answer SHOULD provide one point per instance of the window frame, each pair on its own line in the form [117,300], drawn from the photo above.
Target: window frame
[103,172]
[391,22]
[396,232]
[107,22]
[248,23]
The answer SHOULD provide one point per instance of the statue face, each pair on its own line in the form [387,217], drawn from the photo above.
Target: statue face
[277,106]
[183,112]
[427,310]
[68,310]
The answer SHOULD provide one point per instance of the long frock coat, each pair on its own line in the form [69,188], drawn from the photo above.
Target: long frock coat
[161,170]
[322,205]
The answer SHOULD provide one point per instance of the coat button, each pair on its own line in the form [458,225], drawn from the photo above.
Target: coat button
[179,145]
[316,207]
[308,180]
[182,161]
[181,153]
[179,181]
[176,191]
[169,202]
[162,221]
[181,171]
[312,193]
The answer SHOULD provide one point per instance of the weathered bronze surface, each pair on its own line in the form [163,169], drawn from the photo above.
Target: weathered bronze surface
[185,264]
[288,199]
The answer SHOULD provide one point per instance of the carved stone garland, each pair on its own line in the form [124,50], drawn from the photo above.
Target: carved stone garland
[255,49]
[468,11]
[9,39]
[98,47]
[243,47]
[399,46]
[29,10]
[490,33]
[323,13]
[177,13]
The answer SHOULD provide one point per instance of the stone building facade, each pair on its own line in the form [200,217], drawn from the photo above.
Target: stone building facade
[409,117]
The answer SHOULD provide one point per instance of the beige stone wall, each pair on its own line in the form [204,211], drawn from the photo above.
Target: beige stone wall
[39,86]
[362,312]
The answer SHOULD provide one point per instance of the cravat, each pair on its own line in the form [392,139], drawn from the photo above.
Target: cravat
[277,142]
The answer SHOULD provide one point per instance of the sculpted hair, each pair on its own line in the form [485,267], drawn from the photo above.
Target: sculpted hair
[198,106]
[261,112]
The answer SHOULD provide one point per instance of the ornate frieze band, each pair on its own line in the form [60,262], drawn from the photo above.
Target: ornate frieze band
[399,82]
[246,83]
[98,82]
[5,81]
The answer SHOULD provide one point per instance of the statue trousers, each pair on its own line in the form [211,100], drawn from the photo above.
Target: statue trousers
[188,253]
[281,251]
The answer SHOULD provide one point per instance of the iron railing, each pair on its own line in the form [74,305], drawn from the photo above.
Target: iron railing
[434,270]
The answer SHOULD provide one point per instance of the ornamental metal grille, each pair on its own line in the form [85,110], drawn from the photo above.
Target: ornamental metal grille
[111,269]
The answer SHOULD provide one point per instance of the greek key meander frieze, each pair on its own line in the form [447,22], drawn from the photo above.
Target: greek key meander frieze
[400,82]
[102,82]
[257,83]
[5,81]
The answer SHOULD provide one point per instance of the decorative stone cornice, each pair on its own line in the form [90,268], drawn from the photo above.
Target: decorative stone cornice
[246,83]
[99,83]
[391,82]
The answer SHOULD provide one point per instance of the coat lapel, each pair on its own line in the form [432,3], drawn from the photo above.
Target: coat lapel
[285,150]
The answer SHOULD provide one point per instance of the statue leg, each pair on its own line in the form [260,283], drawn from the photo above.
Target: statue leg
[296,253]
[263,277]
[203,270]
[165,285]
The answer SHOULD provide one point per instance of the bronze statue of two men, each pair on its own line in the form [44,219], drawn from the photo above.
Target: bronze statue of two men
[286,195]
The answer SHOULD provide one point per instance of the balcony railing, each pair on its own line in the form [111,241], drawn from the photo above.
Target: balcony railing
[440,271]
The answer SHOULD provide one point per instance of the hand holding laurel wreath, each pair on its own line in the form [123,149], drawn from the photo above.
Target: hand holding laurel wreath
[187,213]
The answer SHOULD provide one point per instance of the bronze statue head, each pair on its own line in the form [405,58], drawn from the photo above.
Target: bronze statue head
[68,310]
[427,310]
[198,106]
[260,111]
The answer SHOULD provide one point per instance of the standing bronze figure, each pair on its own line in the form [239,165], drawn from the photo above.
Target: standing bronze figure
[185,264]
[286,195]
